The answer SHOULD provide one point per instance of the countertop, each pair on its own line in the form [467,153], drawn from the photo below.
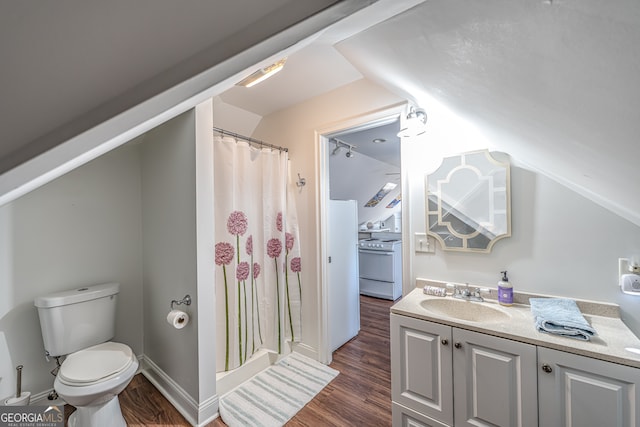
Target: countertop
[611,344]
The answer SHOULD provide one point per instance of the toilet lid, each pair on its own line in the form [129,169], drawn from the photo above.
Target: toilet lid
[95,363]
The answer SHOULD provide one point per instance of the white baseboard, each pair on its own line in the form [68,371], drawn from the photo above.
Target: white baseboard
[196,414]
[306,350]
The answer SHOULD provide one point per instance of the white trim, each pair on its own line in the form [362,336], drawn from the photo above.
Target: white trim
[322,198]
[408,249]
[205,250]
[178,397]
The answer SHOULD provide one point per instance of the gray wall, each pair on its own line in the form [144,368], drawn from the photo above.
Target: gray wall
[562,244]
[83,228]
[128,217]
[169,247]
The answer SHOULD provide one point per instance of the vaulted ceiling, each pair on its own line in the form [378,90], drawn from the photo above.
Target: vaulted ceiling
[554,83]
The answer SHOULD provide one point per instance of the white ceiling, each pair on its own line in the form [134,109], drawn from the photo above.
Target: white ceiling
[554,83]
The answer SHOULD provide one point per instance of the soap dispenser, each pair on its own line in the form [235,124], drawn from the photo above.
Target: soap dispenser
[505,290]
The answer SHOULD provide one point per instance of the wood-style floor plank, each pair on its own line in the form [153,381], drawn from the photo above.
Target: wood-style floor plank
[359,396]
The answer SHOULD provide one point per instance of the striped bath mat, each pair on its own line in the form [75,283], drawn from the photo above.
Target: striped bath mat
[276,394]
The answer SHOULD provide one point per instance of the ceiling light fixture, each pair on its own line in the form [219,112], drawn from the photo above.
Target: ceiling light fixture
[379,140]
[341,144]
[415,123]
[262,74]
[349,153]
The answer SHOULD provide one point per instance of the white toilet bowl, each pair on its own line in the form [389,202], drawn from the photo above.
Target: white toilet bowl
[91,380]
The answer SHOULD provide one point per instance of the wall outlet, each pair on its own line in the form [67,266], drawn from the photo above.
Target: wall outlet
[630,283]
[424,243]
[629,280]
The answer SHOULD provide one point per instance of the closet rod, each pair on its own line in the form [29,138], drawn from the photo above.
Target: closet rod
[248,139]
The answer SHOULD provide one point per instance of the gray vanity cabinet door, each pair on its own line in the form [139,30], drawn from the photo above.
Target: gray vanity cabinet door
[580,391]
[494,381]
[421,371]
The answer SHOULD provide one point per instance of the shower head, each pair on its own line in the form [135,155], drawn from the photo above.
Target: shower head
[349,153]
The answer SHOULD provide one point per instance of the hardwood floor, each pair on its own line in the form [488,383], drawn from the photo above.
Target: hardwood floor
[359,396]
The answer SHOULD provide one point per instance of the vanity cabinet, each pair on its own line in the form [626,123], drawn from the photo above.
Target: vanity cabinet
[446,376]
[580,391]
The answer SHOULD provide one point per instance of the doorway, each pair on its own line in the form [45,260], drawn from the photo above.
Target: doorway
[341,177]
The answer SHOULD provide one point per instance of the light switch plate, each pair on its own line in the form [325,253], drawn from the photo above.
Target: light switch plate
[424,243]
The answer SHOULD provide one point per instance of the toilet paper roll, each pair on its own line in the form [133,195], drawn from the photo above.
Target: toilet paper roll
[178,319]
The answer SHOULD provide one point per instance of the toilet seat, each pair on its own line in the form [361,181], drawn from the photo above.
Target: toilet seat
[95,364]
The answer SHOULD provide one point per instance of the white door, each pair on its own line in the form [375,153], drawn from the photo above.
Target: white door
[344,295]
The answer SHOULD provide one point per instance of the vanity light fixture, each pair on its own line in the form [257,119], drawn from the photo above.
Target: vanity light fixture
[415,123]
[262,74]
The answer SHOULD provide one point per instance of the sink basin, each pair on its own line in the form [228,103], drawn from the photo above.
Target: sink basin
[465,310]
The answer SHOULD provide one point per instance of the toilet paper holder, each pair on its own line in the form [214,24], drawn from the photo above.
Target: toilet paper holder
[186,301]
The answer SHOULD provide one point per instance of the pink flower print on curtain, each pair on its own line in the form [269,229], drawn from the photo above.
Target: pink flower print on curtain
[250,191]
[296,267]
[289,241]
[256,274]
[274,249]
[242,273]
[224,256]
[254,295]
[237,225]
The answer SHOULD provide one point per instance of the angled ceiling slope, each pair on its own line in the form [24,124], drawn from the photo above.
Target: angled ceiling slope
[554,84]
[80,78]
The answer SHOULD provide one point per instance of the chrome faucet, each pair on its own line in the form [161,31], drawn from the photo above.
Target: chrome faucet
[467,294]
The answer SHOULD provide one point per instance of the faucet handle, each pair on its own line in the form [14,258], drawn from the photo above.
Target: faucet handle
[477,292]
[454,288]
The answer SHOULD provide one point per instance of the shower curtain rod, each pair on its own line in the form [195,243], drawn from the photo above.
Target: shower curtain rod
[248,139]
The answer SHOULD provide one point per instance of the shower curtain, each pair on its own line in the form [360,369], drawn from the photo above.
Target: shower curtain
[257,255]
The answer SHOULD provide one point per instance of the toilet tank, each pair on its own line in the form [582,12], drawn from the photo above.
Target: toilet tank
[77,319]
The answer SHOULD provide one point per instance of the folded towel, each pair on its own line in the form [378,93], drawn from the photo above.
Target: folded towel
[560,316]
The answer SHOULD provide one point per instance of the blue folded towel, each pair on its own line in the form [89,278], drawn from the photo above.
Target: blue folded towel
[560,316]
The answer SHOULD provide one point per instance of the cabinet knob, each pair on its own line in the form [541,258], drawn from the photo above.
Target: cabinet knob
[445,341]
[546,368]
[458,345]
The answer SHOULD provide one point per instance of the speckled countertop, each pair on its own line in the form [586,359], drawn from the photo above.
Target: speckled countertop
[612,343]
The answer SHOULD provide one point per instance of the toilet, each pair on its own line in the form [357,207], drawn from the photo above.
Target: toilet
[79,324]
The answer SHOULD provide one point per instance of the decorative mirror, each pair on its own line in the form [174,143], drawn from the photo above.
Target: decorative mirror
[469,202]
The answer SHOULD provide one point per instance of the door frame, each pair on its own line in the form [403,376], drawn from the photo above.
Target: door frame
[368,119]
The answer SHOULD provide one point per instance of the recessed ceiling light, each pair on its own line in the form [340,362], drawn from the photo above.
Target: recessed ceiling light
[379,140]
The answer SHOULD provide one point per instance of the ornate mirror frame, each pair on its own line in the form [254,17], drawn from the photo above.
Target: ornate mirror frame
[468,202]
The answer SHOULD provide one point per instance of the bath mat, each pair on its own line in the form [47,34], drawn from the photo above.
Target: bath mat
[276,394]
